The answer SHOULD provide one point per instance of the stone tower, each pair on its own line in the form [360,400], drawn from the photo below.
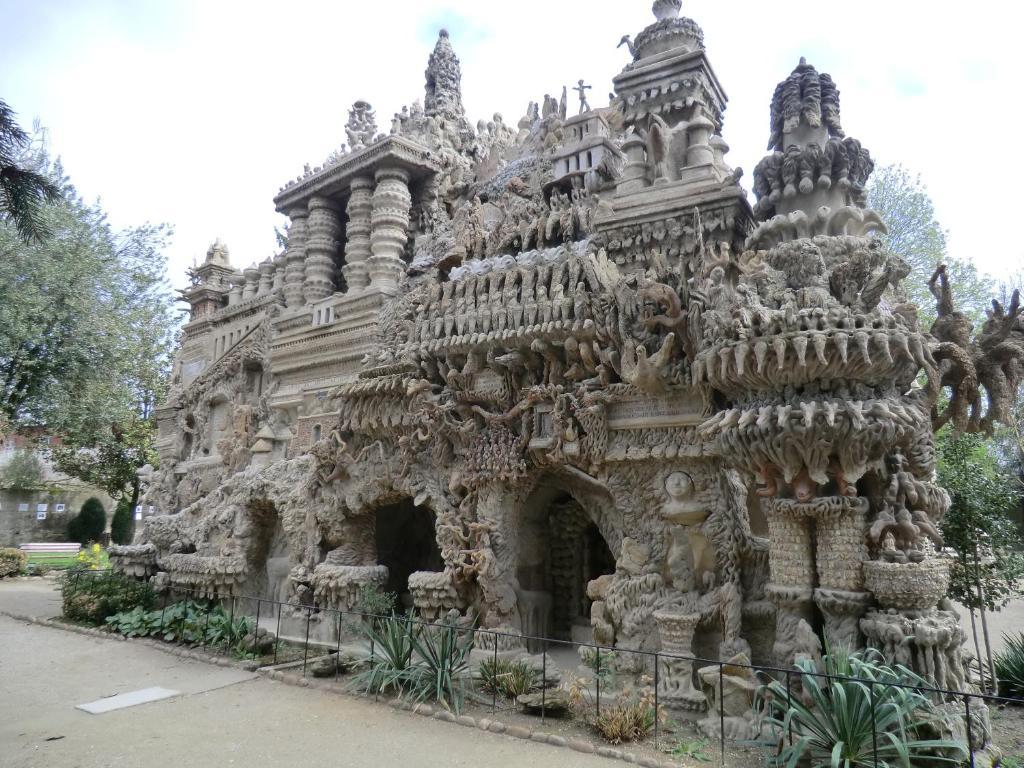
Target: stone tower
[444,81]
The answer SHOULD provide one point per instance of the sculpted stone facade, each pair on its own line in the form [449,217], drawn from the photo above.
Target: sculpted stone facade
[581,394]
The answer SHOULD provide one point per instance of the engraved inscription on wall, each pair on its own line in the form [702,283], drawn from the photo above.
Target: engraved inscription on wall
[646,412]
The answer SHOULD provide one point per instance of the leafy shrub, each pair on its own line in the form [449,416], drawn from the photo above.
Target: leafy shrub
[12,562]
[91,599]
[121,523]
[508,678]
[88,525]
[374,601]
[1010,667]
[832,723]
[186,622]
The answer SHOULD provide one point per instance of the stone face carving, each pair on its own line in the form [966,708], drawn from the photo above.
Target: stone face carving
[602,403]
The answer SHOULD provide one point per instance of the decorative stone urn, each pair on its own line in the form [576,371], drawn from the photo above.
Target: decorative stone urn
[675,675]
[908,586]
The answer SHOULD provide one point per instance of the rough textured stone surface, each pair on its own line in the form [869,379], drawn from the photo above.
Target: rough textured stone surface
[560,377]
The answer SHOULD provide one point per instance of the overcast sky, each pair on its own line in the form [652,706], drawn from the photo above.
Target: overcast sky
[196,113]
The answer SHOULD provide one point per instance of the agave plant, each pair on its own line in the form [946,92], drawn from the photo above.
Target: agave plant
[441,671]
[391,658]
[863,718]
[1010,667]
[509,678]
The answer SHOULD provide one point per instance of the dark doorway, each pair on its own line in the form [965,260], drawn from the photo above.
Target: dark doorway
[560,551]
[406,543]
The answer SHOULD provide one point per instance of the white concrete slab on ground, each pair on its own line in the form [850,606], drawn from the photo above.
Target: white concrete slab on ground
[125,700]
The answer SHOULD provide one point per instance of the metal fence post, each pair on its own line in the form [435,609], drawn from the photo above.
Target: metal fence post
[231,629]
[874,729]
[163,611]
[656,665]
[544,681]
[721,706]
[256,629]
[206,625]
[789,706]
[305,643]
[277,637]
[970,736]
[494,677]
[337,657]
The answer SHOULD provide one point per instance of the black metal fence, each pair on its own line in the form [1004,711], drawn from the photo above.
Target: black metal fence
[650,660]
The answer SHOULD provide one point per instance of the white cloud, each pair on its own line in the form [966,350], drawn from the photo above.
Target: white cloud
[197,112]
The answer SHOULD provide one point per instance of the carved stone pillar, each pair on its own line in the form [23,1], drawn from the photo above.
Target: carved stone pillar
[237,281]
[357,246]
[280,264]
[252,282]
[699,150]
[266,278]
[791,563]
[322,233]
[295,259]
[390,228]
[634,175]
[675,676]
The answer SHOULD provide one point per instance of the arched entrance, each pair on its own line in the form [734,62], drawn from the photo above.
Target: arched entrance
[406,543]
[560,550]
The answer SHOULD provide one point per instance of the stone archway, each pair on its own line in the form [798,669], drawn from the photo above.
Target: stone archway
[560,548]
[406,539]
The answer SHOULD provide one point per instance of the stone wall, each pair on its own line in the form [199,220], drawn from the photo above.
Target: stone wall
[19,511]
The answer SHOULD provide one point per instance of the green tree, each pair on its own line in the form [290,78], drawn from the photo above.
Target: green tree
[87,324]
[24,471]
[917,237]
[121,522]
[24,190]
[88,525]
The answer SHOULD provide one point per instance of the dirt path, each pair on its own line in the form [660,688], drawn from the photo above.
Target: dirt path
[226,717]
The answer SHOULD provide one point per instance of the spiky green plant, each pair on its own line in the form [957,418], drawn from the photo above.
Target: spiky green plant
[441,670]
[1010,666]
[832,723]
[391,644]
[508,678]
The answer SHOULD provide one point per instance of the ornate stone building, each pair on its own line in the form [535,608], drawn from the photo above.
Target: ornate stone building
[581,395]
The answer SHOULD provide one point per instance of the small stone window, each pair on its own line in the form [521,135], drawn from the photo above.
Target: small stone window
[317,433]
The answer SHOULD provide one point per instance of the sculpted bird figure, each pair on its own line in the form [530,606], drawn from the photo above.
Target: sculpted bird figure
[644,372]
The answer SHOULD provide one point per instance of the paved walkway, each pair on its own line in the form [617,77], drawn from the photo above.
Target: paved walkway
[226,717]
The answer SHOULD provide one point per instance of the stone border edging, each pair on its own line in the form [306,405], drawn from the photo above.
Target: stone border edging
[425,710]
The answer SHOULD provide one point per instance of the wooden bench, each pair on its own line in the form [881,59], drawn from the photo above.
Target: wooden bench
[50,553]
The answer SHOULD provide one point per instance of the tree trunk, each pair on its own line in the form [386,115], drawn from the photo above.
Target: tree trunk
[984,623]
[131,509]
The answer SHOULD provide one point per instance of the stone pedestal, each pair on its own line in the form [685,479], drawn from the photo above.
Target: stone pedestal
[280,264]
[794,615]
[237,281]
[266,285]
[675,675]
[252,282]
[357,246]
[323,230]
[842,612]
[389,228]
[634,175]
[295,259]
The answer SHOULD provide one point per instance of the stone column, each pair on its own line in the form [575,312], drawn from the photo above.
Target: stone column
[390,228]
[842,550]
[699,150]
[322,233]
[357,247]
[237,281]
[634,175]
[791,563]
[295,259]
[252,282]
[675,676]
[266,278]
[280,262]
